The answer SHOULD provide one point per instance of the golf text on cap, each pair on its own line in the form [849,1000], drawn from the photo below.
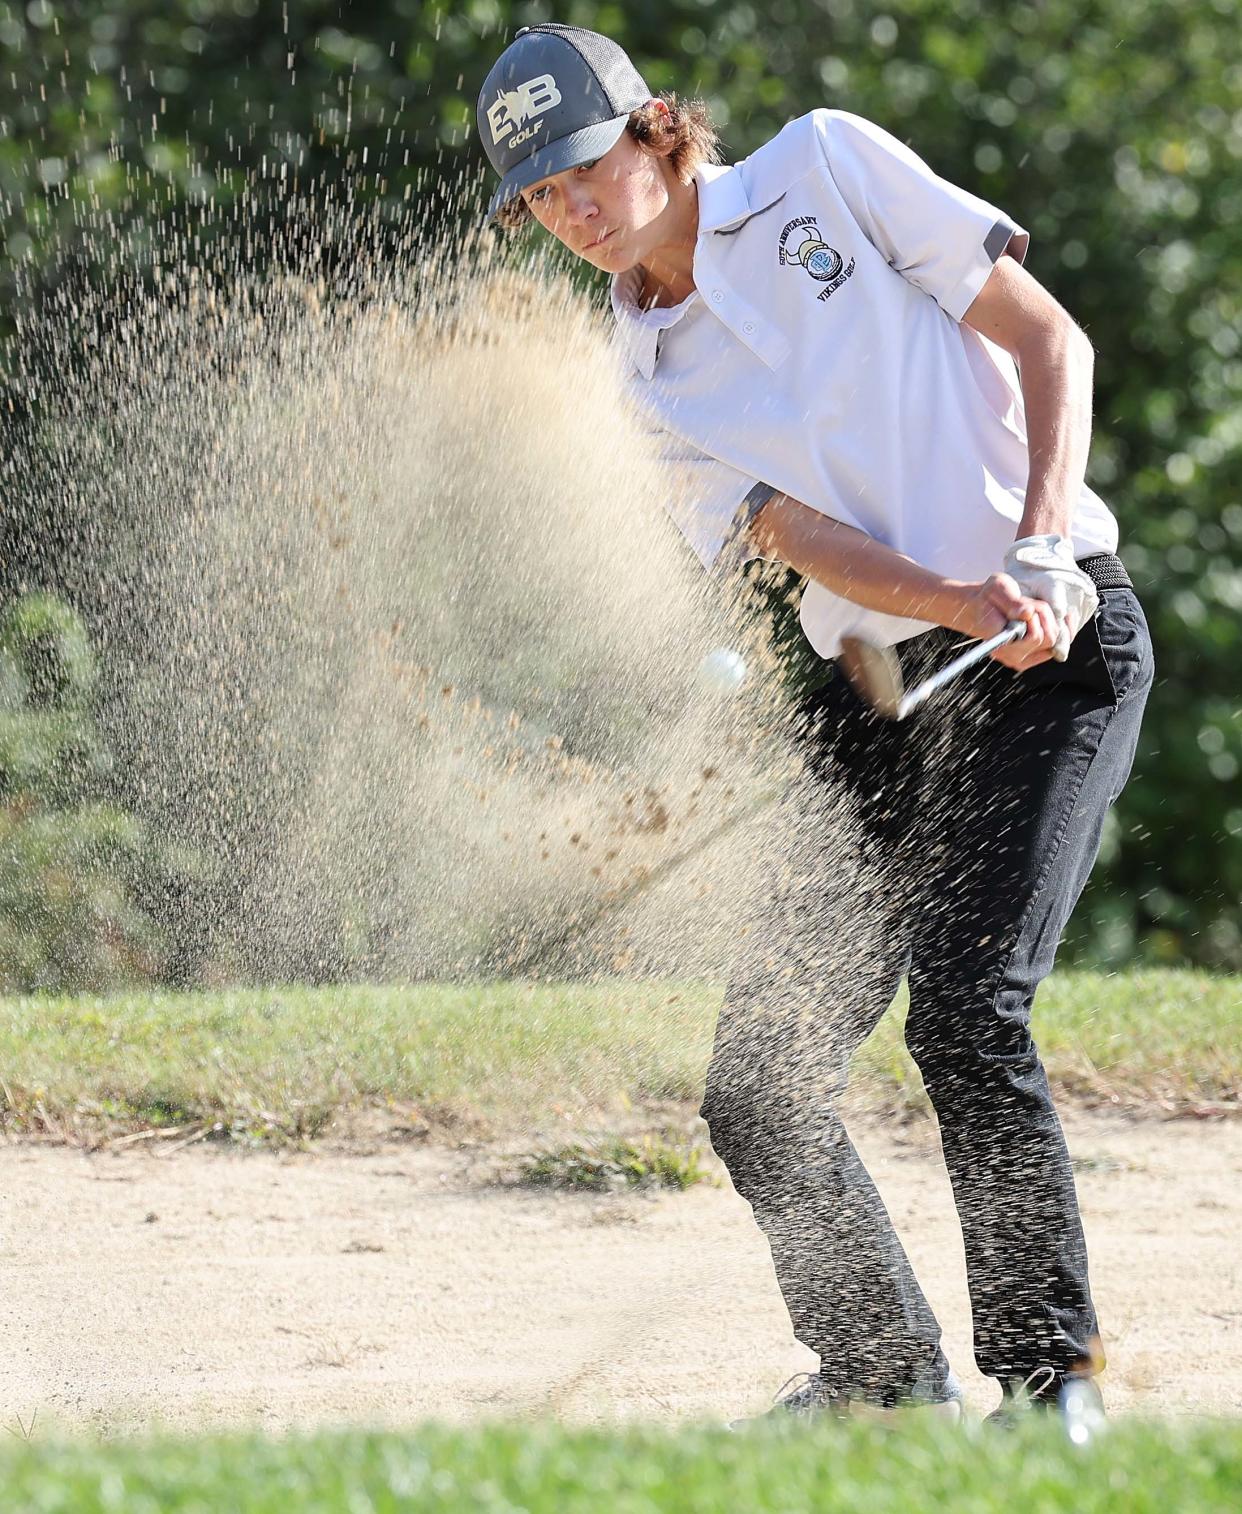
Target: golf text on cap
[514,107]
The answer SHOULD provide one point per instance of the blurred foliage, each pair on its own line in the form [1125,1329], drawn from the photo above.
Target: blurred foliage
[72,867]
[1112,129]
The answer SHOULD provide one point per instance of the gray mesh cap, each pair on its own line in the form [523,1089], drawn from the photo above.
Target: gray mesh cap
[556,97]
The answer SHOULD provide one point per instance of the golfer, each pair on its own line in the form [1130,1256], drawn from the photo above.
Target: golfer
[843,353]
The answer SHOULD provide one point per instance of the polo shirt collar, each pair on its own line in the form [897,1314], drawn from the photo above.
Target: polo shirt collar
[722,197]
[722,203]
[638,331]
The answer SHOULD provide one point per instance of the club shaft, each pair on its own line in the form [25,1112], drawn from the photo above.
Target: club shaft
[1014,631]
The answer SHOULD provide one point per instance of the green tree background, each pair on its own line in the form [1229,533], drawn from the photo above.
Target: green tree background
[76,871]
[1112,129]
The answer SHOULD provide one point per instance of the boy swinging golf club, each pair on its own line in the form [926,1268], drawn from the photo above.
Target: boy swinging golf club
[845,354]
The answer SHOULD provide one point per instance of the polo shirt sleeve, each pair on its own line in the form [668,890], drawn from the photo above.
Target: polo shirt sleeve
[711,503]
[939,237]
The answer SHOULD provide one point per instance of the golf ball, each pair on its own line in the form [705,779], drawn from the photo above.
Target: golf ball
[722,671]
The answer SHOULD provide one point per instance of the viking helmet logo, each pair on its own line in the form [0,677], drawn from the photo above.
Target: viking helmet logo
[514,107]
[812,253]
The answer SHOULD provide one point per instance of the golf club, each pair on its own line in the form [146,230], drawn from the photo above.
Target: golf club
[875,672]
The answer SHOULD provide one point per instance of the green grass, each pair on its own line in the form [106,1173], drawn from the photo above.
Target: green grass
[540,1469]
[277,1064]
[1162,1040]
[607,1165]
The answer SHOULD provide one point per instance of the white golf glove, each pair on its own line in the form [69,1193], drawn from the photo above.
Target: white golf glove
[1044,568]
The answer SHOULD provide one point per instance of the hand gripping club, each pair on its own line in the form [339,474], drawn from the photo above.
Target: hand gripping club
[875,671]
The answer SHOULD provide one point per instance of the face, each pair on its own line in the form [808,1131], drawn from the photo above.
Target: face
[610,212]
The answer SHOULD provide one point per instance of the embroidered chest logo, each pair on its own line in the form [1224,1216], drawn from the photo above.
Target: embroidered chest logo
[824,264]
[514,107]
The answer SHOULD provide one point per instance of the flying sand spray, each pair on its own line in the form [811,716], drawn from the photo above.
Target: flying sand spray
[396,678]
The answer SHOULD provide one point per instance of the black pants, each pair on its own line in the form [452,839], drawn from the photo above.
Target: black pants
[951,849]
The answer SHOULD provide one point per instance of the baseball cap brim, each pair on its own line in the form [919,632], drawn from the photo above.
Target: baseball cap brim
[567,152]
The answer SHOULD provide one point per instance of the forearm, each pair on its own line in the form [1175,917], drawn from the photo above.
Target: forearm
[1055,367]
[855,565]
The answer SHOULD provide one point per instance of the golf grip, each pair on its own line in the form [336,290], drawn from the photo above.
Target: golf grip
[1014,631]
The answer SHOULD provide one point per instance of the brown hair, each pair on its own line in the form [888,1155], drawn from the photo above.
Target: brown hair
[685,136]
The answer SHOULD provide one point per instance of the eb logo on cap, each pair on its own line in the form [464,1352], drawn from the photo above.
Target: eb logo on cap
[514,107]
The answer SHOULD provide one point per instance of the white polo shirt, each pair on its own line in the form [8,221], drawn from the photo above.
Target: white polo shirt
[822,355]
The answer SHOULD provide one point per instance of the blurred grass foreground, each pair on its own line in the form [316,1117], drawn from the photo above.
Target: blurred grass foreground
[280,1064]
[540,1469]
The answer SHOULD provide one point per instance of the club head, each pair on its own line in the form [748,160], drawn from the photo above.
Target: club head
[875,675]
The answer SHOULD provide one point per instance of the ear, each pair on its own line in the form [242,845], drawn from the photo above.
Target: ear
[662,147]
